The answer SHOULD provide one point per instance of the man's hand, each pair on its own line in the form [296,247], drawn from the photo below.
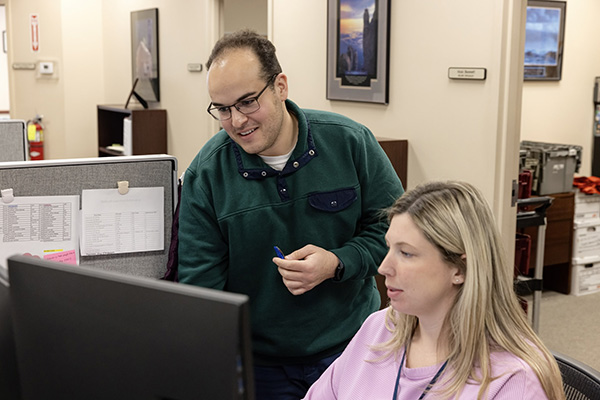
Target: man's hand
[305,268]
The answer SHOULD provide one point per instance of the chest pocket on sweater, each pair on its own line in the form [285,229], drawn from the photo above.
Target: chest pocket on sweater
[333,201]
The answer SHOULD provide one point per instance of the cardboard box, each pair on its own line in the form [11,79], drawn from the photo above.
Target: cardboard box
[587,206]
[585,278]
[586,240]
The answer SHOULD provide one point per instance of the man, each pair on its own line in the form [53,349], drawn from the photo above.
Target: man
[312,183]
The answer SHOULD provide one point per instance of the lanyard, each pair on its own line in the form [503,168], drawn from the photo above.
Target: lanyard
[429,386]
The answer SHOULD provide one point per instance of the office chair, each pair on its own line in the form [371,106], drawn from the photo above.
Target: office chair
[580,381]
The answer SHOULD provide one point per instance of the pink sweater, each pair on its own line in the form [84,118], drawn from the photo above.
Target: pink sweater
[350,377]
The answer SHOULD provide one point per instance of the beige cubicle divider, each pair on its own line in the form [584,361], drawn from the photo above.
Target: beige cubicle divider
[69,177]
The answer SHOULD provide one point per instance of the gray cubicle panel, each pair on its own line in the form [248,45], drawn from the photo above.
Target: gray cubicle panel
[13,140]
[71,176]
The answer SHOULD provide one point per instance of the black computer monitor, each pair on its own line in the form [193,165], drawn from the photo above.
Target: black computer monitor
[84,333]
[9,383]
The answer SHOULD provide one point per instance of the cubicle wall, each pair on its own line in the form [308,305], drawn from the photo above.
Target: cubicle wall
[71,177]
[13,140]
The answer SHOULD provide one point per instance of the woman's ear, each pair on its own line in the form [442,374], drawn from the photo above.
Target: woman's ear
[459,279]
[459,276]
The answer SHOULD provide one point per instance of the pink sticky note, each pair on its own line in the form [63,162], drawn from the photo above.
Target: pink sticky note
[67,257]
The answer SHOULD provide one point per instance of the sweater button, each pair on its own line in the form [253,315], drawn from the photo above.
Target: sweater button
[333,203]
[296,164]
[245,174]
[264,173]
[311,152]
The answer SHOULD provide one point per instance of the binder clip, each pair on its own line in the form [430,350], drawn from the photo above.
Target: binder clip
[7,195]
[123,187]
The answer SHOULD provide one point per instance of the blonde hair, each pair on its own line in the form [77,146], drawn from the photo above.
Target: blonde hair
[486,314]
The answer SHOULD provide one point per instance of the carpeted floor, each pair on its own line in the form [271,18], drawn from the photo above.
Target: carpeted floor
[571,325]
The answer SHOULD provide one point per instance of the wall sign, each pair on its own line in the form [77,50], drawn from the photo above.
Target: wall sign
[467,73]
[34,26]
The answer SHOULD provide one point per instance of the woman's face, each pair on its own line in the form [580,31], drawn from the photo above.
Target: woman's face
[419,282]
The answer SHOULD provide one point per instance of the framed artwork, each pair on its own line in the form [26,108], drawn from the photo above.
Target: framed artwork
[544,40]
[144,53]
[358,50]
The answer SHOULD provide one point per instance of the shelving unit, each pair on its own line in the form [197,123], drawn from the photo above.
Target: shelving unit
[397,152]
[148,130]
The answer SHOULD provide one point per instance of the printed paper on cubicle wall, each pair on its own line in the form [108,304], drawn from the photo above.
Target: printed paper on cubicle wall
[41,226]
[122,223]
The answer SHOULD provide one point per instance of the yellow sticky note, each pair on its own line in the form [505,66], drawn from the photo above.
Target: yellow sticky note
[31,132]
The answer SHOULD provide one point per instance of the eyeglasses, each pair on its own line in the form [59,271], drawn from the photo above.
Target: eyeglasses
[246,106]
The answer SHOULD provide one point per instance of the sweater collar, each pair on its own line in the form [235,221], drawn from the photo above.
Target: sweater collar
[252,167]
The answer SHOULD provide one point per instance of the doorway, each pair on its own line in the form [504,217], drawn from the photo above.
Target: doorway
[239,14]
[233,15]
[4,97]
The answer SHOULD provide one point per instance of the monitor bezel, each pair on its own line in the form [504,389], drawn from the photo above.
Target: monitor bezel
[30,341]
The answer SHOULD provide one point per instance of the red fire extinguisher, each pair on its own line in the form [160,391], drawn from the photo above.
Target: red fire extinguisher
[35,136]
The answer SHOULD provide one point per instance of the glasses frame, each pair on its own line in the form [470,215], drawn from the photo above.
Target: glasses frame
[235,105]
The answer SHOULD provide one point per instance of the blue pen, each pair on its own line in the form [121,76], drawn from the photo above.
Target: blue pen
[278,252]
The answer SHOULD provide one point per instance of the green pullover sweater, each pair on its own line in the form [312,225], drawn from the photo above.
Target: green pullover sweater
[235,208]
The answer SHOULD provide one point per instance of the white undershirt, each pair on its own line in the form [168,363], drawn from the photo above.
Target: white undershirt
[277,162]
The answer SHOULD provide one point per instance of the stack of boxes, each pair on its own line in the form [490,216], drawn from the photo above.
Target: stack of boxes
[585,269]
[552,168]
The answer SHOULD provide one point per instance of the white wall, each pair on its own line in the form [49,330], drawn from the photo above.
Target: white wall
[31,94]
[90,43]
[451,125]
[82,75]
[464,130]
[185,36]
[456,129]
[563,111]
[4,100]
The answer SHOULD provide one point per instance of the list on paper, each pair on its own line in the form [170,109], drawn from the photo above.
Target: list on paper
[40,226]
[122,223]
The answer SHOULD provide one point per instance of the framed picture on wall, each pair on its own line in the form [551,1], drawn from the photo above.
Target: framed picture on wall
[544,40]
[144,53]
[358,33]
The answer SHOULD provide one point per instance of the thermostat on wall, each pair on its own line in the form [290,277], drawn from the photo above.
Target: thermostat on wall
[46,68]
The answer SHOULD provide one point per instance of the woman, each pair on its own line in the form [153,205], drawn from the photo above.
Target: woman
[454,328]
